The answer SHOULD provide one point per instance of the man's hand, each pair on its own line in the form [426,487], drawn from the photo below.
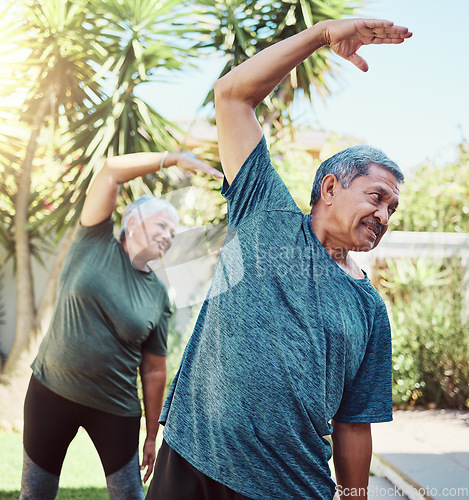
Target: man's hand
[239,92]
[345,37]
[148,459]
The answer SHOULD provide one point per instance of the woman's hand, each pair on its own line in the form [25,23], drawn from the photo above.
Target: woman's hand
[149,457]
[345,37]
[189,162]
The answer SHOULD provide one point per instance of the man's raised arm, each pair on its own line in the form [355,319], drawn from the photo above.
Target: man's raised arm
[239,92]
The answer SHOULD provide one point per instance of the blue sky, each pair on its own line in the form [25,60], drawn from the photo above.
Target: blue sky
[412,103]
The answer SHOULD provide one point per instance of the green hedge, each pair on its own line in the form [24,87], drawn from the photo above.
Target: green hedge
[430,325]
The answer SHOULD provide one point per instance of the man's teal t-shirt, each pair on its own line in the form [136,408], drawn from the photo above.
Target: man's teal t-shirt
[106,313]
[285,342]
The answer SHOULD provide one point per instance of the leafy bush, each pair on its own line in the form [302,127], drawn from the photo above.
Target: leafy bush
[430,331]
[436,198]
[177,339]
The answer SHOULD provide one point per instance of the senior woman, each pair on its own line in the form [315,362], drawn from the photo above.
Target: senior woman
[110,319]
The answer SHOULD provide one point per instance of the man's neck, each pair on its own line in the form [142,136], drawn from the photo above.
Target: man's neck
[339,254]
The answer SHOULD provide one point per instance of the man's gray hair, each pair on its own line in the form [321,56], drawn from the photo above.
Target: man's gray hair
[143,207]
[350,163]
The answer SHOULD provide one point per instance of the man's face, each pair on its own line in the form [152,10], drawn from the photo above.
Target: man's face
[364,208]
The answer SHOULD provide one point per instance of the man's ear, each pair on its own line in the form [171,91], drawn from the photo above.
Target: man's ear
[328,188]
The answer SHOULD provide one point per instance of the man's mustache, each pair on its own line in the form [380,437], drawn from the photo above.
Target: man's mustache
[379,227]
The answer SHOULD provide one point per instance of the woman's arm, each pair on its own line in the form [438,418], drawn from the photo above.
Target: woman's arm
[101,199]
[153,376]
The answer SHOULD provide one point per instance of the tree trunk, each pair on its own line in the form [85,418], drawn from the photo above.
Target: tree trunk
[13,387]
[14,377]
[26,323]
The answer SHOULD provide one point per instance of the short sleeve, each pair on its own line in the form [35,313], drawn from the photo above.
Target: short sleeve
[156,343]
[257,187]
[369,397]
[99,232]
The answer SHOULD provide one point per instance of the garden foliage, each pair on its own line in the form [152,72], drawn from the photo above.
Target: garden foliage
[428,301]
[430,324]
[435,197]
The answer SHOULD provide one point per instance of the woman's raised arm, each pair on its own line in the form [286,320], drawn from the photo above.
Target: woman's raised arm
[101,199]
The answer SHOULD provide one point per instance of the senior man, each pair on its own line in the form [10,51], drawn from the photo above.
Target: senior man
[292,343]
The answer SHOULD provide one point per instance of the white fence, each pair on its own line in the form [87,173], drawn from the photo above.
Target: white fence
[399,244]
[411,244]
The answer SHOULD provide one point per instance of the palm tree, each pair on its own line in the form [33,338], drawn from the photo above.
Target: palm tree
[241,28]
[78,65]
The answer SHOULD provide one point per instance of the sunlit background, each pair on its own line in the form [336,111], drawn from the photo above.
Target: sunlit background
[412,103]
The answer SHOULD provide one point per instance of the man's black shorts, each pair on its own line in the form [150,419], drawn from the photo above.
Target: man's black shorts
[176,479]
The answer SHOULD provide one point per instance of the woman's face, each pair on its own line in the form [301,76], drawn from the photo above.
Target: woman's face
[158,231]
[150,239]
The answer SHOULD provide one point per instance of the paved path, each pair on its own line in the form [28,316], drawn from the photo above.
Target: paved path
[380,488]
[424,452]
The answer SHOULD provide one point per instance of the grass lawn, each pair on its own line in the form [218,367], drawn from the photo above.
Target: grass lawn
[82,475]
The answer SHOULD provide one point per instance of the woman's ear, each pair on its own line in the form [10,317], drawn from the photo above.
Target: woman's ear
[328,189]
[131,226]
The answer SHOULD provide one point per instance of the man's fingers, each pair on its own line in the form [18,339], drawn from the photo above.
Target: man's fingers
[384,26]
[359,62]
[388,40]
[382,31]
[377,40]
[377,23]
[388,35]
